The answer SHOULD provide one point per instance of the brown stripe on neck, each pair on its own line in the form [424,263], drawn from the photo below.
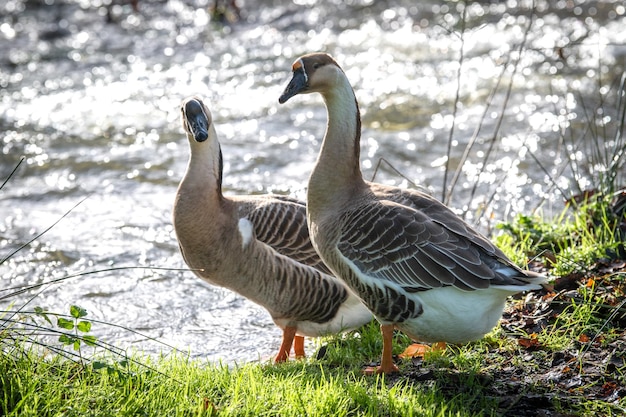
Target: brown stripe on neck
[357,137]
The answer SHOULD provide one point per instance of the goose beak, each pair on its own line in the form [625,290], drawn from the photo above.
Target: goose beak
[197,120]
[298,84]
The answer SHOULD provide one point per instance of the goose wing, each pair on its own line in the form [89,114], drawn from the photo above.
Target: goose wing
[280,222]
[420,249]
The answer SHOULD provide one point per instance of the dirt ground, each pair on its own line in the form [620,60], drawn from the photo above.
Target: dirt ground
[536,379]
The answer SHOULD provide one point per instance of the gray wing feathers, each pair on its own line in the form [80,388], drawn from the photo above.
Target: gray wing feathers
[307,295]
[300,276]
[280,222]
[421,245]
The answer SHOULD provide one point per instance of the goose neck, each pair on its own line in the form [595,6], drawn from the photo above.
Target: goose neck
[338,161]
[204,169]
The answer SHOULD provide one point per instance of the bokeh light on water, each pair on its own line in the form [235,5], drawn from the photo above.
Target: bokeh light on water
[92,106]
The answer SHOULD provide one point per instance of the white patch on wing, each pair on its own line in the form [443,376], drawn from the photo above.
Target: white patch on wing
[246,230]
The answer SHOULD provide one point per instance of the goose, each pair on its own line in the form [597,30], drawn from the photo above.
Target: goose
[413,262]
[257,246]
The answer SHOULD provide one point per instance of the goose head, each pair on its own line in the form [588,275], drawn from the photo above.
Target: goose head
[312,73]
[196,119]
[206,152]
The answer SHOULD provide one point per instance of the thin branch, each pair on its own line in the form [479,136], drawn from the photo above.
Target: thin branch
[379,163]
[109,346]
[457,99]
[505,103]
[12,172]
[20,289]
[599,332]
[42,233]
[474,138]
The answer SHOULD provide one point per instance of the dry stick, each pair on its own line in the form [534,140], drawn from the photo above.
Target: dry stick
[611,161]
[457,98]
[24,289]
[99,343]
[602,126]
[569,162]
[545,171]
[21,289]
[474,138]
[589,129]
[12,172]
[592,152]
[612,158]
[577,170]
[504,104]
[593,339]
[102,344]
[620,140]
[490,200]
[42,233]
[380,161]
[59,351]
[594,149]
[80,274]
[40,331]
[69,355]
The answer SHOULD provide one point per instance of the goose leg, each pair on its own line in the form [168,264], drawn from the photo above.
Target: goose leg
[386,363]
[289,333]
[298,346]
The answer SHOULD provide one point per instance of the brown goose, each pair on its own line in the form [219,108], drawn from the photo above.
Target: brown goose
[257,246]
[414,263]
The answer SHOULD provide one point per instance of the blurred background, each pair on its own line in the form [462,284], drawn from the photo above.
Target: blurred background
[495,107]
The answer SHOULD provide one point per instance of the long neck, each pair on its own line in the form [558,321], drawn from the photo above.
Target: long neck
[200,191]
[337,170]
[204,170]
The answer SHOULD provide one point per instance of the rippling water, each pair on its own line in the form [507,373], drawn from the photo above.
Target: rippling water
[92,107]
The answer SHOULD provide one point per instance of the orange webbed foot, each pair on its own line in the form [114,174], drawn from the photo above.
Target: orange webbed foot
[289,333]
[375,370]
[386,363]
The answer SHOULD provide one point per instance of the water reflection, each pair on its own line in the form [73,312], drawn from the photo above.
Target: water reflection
[93,108]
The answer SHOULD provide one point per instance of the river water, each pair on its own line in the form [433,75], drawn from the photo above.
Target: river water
[90,94]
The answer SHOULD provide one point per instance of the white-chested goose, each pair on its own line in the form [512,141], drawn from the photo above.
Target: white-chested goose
[257,246]
[415,264]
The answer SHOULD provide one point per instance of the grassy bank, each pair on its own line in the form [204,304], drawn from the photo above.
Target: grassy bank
[33,386]
[558,353]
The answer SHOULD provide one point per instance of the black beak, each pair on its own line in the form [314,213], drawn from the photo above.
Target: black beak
[298,84]
[197,120]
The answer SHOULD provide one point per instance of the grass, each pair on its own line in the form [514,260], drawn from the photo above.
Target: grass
[582,234]
[33,385]
[559,353]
